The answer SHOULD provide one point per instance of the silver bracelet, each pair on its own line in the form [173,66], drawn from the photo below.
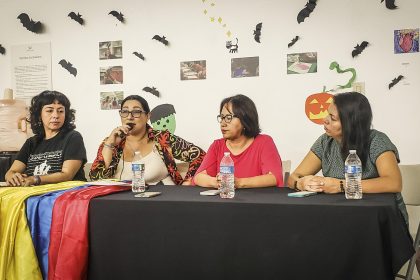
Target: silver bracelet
[110,146]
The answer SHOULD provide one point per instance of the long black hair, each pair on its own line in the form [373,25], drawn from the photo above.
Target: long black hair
[48,97]
[244,109]
[356,119]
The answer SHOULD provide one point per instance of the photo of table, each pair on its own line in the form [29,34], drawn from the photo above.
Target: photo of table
[260,234]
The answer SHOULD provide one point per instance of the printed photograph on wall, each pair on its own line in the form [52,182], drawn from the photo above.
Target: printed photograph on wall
[245,67]
[406,40]
[193,70]
[111,100]
[110,50]
[302,63]
[111,75]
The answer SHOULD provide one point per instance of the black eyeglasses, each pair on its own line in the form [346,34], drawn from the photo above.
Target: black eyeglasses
[227,118]
[134,113]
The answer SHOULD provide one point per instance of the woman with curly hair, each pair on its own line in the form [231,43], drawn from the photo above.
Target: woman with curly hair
[56,152]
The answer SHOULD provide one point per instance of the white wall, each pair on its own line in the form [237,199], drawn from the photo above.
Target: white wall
[332,30]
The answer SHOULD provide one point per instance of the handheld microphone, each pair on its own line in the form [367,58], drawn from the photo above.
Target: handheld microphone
[122,135]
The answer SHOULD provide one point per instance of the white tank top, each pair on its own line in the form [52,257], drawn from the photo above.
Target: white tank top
[155,169]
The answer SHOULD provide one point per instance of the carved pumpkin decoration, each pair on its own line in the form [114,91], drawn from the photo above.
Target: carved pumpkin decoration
[316,106]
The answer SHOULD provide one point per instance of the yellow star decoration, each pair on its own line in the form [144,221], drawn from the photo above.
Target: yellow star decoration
[212,19]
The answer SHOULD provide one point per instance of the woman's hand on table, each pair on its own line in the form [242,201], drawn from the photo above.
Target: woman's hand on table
[319,184]
[331,185]
[17,179]
[310,183]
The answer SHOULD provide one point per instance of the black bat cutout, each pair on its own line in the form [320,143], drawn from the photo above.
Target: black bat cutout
[390,4]
[152,90]
[257,32]
[161,39]
[76,17]
[358,49]
[294,40]
[395,81]
[2,50]
[139,55]
[28,23]
[305,12]
[118,15]
[68,66]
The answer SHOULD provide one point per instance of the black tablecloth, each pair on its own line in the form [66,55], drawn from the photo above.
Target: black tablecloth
[260,234]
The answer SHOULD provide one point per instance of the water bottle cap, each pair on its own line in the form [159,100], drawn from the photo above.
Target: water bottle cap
[352,151]
[226,153]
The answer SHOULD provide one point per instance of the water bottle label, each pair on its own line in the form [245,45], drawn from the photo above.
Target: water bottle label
[353,169]
[137,167]
[227,169]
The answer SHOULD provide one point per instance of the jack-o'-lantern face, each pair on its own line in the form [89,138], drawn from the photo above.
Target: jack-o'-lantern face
[316,106]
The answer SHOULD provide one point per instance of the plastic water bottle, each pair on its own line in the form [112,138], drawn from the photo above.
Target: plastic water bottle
[138,184]
[227,176]
[353,174]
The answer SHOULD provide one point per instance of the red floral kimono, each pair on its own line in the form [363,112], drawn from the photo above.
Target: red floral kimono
[169,146]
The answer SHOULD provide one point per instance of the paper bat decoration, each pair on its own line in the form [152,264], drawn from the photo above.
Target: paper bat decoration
[152,90]
[2,50]
[77,17]
[139,55]
[28,23]
[305,12]
[294,40]
[395,81]
[390,4]
[257,32]
[68,66]
[118,15]
[161,39]
[358,49]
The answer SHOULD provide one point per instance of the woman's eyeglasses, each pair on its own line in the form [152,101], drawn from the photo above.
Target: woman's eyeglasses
[227,118]
[134,113]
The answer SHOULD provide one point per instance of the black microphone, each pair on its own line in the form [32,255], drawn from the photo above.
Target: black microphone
[122,135]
